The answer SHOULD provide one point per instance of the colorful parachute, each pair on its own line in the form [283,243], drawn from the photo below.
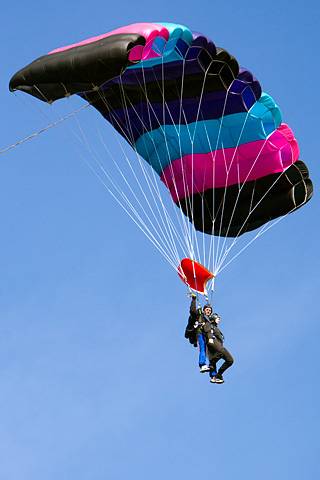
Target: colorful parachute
[204,125]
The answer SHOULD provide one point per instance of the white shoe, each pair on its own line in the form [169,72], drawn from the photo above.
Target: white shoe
[217,380]
[204,369]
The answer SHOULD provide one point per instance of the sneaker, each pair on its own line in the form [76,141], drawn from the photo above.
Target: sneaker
[219,379]
[212,379]
[204,369]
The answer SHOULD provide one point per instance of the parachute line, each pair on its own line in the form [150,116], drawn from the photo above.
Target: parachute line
[44,129]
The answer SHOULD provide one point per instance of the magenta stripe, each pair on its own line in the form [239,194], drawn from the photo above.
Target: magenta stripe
[147,30]
[220,168]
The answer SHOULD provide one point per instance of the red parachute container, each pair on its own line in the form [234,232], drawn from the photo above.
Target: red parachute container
[194,275]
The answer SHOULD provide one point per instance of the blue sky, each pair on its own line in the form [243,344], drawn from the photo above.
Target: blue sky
[97,381]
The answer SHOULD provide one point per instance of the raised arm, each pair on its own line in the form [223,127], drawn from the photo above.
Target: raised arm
[193,307]
[191,331]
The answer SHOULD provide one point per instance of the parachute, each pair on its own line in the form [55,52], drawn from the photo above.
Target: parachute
[201,122]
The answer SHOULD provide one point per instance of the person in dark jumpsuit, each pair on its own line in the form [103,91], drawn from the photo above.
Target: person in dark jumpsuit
[205,324]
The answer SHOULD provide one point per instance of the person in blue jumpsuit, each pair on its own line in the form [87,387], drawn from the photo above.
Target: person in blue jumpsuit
[195,336]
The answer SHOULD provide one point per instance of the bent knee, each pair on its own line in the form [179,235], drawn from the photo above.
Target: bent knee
[230,361]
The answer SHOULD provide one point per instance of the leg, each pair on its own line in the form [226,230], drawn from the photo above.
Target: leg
[228,361]
[215,352]
[202,350]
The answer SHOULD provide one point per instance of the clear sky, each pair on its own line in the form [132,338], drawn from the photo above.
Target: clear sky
[96,379]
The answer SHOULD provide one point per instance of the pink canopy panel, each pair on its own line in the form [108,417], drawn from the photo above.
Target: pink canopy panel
[221,168]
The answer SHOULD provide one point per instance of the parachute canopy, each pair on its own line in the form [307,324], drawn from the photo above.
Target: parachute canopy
[202,122]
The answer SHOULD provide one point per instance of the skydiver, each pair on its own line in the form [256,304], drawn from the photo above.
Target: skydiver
[195,335]
[203,324]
